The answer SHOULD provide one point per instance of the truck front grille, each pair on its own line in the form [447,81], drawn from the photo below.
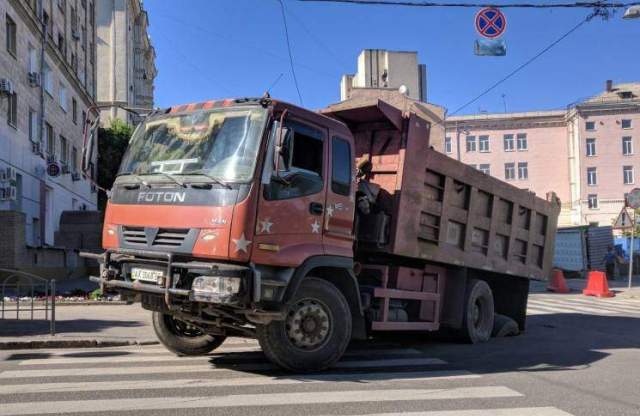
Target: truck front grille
[155,237]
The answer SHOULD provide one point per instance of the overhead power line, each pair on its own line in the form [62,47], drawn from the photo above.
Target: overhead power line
[582,5]
[293,69]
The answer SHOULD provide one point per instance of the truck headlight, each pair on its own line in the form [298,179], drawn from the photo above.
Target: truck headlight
[214,288]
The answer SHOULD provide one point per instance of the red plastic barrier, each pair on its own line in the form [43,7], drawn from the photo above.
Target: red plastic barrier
[598,286]
[557,283]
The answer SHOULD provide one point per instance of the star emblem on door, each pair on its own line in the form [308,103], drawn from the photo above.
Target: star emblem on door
[242,244]
[265,226]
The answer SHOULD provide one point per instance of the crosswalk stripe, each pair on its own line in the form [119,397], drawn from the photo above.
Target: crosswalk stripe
[564,307]
[374,378]
[517,411]
[207,367]
[267,399]
[164,355]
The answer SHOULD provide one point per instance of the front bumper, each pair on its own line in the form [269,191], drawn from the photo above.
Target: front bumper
[114,264]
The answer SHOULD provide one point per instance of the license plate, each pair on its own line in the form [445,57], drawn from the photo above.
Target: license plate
[146,275]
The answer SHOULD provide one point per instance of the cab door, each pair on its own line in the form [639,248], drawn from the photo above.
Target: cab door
[291,208]
[338,234]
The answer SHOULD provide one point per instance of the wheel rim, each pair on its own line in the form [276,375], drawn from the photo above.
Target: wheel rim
[308,325]
[480,313]
[181,328]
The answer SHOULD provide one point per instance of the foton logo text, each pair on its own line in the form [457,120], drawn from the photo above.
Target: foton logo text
[161,197]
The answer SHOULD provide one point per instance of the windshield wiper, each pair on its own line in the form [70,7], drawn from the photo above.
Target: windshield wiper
[206,175]
[169,176]
[134,176]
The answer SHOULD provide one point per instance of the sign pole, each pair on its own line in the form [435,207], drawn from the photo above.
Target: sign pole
[633,229]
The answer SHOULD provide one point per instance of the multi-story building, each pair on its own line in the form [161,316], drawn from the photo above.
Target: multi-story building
[47,84]
[584,153]
[379,69]
[126,59]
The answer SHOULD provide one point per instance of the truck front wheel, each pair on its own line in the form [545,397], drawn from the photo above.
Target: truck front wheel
[478,312]
[182,338]
[315,332]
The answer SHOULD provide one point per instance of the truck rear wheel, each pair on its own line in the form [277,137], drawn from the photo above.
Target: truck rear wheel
[478,312]
[182,338]
[315,332]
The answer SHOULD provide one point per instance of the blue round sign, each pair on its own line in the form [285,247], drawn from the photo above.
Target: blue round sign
[490,22]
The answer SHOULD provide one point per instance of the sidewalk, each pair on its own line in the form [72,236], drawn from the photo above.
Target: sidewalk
[80,326]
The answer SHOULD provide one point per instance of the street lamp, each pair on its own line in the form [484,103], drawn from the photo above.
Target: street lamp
[632,12]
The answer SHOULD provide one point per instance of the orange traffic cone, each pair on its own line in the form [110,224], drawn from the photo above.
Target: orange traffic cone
[557,283]
[598,286]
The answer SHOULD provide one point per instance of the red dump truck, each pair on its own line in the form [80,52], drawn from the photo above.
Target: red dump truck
[258,218]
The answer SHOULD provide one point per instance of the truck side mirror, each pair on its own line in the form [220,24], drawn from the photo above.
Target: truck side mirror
[90,138]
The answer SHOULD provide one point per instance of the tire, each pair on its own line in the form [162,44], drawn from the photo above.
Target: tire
[182,339]
[478,312]
[315,332]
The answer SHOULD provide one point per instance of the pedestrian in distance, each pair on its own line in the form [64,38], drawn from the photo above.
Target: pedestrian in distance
[611,260]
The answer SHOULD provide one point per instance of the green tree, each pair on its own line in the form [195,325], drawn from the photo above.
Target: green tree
[112,143]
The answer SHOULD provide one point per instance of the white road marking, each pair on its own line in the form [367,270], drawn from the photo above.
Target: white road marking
[267,399]
[160,356]
[359,378]
[207,367]
[518,411]
[564,307]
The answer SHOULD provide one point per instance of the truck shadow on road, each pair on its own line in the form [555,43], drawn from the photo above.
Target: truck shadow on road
[554,342]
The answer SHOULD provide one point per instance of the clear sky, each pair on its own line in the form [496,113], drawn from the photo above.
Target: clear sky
[228,48]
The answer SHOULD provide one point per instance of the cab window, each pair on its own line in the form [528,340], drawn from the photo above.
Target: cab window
[341,170]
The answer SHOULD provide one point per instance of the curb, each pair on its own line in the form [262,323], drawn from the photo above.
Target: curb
[70,343]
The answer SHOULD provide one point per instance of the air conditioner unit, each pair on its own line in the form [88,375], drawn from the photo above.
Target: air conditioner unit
[8,193]
[35,148]
[34,79]
[75,34]
[75,176]
[6,86]
[66,169]
[11,174]
[51,158]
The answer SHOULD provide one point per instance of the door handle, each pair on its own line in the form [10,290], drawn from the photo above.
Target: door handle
[316,208]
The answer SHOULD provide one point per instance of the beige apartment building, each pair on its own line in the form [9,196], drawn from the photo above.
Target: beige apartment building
[586,153]
[126,59]
[47,84]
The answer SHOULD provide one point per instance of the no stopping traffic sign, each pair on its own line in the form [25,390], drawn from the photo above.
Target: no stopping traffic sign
[490,22]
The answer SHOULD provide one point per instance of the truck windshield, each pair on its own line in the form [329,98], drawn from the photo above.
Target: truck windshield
[221,143]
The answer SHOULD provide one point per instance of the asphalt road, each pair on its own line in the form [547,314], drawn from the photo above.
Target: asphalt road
[579,356]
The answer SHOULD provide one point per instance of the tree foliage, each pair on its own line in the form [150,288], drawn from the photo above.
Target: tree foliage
[112,143]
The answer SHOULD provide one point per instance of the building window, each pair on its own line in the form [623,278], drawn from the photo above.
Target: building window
[33,59]
[592,201]
[592,176]
[483,143]
[64,150]
[62,95]
[523,170]
[509,171]
[12,34]
[627,173]
[50,140]
[12,110]
[33,125]
[485,168]
[626,124]
[447,144]
[471,143]
[509,143]
[522,142]
[74,110]
[627,146]
[590,125]
[61,46]
[591,147]
[48,79]
[74,159]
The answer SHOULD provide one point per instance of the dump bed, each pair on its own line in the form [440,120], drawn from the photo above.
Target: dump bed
[439,209]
